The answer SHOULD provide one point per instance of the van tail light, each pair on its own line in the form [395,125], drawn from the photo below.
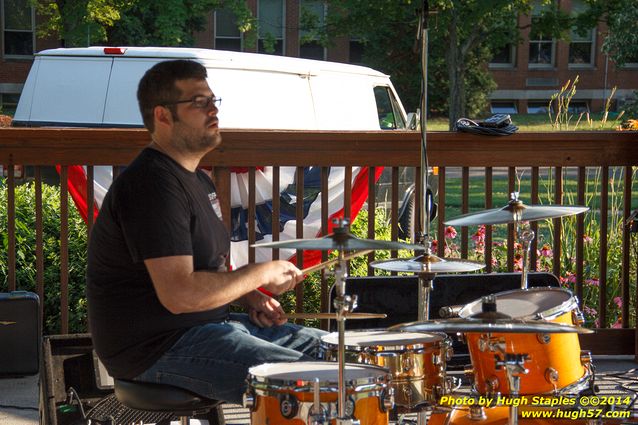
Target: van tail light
[114,50]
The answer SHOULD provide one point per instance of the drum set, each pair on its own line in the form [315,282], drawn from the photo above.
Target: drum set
[521,343]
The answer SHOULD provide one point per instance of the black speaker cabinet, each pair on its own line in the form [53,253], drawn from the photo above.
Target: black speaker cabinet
[67,378]
[19,333]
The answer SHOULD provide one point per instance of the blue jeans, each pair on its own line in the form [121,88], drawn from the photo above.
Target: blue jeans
[213,359]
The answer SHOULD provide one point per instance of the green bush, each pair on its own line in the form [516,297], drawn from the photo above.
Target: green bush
[26,259]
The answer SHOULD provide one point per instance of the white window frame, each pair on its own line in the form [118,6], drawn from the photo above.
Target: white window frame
[301,32]
[579,6]
[536,11]
[216,36]
[508,65]
[4,30]
[283,27]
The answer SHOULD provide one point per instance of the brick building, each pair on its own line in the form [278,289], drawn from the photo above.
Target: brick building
[527,74]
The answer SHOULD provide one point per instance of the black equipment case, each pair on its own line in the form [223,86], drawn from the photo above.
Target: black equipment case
[19,333]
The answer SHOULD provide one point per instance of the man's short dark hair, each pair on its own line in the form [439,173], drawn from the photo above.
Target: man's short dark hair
[157,86]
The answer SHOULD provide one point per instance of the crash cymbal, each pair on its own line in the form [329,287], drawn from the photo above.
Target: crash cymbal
[427,264]
[334,241]
[515,211]
[488,325]
[348,316]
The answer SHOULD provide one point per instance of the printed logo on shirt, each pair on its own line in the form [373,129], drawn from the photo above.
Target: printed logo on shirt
[214,202]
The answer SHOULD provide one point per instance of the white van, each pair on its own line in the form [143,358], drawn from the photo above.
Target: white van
[96,86]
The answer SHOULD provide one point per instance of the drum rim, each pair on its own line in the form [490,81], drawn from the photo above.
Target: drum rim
[390,347]
[382,378]
[566,306]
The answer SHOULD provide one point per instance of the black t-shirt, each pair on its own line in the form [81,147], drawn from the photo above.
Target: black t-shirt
[155,208]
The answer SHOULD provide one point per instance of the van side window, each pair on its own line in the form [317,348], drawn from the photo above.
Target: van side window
[390,117]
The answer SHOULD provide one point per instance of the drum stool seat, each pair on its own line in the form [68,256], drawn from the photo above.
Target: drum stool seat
[167,398]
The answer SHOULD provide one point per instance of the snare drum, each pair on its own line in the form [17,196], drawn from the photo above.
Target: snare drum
[555,362]
[283,393]
[417,361]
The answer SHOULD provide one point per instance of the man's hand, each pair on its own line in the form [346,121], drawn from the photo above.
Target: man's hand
[280,276]
[263,310]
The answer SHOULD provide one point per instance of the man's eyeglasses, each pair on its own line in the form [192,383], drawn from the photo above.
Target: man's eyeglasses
[199,101]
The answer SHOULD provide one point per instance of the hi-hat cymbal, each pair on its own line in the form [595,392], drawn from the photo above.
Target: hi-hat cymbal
[515,211]
[427,263]
[341,242]
[488,325]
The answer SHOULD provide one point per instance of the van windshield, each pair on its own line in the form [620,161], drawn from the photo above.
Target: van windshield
[390,117]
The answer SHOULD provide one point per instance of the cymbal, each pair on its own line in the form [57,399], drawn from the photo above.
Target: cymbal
[488,325]
[348,316]
[334,241]
[427,263]
[508,214]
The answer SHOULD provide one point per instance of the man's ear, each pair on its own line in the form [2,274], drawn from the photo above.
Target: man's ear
[162,115]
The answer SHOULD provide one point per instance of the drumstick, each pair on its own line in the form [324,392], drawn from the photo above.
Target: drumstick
[329,263]
[334,315]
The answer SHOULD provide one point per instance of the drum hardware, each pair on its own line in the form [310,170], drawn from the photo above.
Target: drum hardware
[544,338]
[477,413]
[551,375]
[450,311]
[514,367]
[317,415]
[578,317]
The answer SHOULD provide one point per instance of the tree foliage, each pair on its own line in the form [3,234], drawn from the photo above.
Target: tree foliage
[134,22]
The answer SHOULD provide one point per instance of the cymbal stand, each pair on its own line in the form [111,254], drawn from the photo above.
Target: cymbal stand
[343,305]
[524,234]
[514,367]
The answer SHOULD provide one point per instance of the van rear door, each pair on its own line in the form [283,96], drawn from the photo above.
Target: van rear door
[69,91]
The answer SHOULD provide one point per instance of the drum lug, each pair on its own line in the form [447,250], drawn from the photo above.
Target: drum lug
[551,375]
[477,413]
[578,317]
[447,351]
[585,358]
[408,362]
[387,400]
[492,384]
[544,338]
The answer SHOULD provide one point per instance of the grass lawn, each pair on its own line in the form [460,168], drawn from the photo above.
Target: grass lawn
[541,122]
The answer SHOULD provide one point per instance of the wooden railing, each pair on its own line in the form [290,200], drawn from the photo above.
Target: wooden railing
[460,157]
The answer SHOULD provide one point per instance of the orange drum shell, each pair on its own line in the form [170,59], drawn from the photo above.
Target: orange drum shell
[562,353]
[266,411]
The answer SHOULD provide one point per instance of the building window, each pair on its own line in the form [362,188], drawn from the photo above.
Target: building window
[311,12]
[503,107]
[227,35]
[356,52]
[541,46]
[581,47]
[8,103]
[18,27]
[504,58]
[538,107]
[271,27]
[578,107]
